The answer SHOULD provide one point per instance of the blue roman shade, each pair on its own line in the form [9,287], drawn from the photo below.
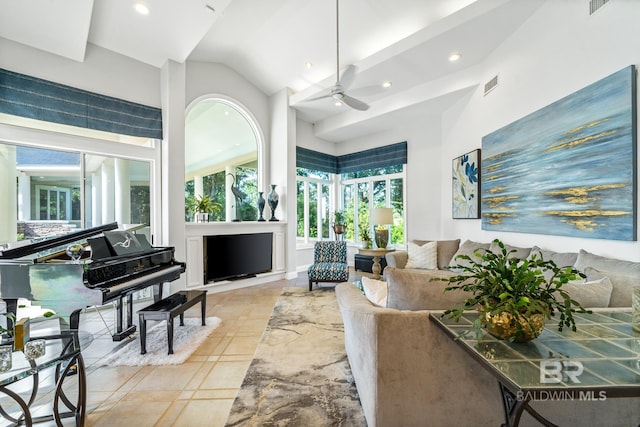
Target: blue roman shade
[380,157]
[316,160]
[34,98]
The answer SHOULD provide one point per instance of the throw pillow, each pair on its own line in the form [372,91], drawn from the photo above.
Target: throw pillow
[587,259]
[622,285]
[592,293]
[446,250]
[375,291]
[468,248]
[424,257]
[512,251]
[561,259]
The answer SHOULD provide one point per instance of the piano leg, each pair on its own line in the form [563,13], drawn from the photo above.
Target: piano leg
[121,333]
[157,291]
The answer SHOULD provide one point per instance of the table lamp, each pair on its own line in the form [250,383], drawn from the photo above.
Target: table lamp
[380,217]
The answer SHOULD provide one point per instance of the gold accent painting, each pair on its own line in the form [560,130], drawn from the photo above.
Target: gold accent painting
[568,169]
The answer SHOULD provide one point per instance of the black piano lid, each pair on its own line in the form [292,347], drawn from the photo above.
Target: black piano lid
[54,242]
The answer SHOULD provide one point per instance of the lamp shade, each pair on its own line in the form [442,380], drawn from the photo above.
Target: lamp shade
[382,216]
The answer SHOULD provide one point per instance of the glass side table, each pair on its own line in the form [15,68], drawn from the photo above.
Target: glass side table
[60,352]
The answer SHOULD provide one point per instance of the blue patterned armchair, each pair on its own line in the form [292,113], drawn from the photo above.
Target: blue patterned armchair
[329,263]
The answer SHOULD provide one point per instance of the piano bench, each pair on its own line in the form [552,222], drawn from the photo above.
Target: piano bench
[167,309]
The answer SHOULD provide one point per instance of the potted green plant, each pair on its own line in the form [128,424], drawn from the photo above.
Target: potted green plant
[202,206]
[365,237]
[338,222]
[513,297]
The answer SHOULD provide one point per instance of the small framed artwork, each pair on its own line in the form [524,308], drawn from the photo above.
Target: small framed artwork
[466,186]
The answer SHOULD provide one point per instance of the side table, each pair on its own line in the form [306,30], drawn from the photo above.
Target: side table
[376,254]
[62,353]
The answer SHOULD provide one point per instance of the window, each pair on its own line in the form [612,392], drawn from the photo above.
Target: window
[368,179]
[313,204]
[222,145]
[49,198]
[364,190]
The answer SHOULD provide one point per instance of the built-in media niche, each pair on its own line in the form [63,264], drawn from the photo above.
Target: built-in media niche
[236,256]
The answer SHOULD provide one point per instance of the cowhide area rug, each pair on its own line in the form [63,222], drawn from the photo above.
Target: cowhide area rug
[300,375]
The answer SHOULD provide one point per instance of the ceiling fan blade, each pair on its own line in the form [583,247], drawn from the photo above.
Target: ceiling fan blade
[355,103]
[326,93]
[347,76]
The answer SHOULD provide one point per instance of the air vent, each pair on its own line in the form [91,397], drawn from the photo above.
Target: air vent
[594,5]
[490,85]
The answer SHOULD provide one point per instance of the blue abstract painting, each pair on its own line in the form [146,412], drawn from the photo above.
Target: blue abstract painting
[568,169]
[466,182]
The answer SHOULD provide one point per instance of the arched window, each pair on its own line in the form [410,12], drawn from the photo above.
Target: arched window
[223,159]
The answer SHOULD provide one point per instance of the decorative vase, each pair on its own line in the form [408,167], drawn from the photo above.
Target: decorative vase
[201,217]
[381,237]
[272,199]
[261,203]
[505,327]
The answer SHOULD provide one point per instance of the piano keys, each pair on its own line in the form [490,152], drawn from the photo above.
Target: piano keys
[121,264]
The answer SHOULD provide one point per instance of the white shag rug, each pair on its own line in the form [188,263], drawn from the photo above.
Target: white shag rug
[186,339]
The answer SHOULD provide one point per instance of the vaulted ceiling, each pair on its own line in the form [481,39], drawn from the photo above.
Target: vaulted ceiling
[406,42]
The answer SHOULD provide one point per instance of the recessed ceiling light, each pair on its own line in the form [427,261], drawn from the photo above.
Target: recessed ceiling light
[141,8]
[308,64]
[338,104]
[454,56]
[386,84]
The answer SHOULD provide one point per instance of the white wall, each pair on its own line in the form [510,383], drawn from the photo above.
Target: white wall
[558,51]
[103,71]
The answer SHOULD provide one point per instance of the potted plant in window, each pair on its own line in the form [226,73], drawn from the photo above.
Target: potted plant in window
[202,206]
[513,297]
[338,223]
[365,237]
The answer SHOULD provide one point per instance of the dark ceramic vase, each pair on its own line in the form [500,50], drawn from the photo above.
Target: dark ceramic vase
[273,198]
[261,203]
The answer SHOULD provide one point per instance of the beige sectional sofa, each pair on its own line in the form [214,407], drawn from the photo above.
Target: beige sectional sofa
[408,373]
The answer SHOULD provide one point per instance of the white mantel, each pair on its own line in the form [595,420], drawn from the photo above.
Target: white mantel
[194,233]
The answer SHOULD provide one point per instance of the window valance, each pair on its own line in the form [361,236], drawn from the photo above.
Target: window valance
[380,157]
[316,160]
[34,98]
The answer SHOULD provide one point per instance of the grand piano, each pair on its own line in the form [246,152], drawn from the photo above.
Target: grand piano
[91,267]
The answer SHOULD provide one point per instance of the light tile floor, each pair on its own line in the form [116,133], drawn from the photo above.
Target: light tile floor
[199,392]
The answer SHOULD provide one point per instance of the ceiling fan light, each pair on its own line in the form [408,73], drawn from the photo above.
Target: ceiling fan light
[141,8]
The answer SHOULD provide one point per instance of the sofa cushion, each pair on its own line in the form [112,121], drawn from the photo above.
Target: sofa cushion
[446,250]
[561,259]
[468,248]
[422,256]
[592,293]
[375,291]
[622,285]
[512,251]
[420,290]
[587,259]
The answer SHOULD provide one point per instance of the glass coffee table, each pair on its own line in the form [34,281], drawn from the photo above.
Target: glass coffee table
[599,361]
[57,354]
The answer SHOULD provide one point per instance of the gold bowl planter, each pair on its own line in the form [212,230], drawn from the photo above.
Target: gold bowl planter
[504,326]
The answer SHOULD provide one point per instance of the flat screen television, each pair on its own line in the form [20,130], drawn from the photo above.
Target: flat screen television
[236,256]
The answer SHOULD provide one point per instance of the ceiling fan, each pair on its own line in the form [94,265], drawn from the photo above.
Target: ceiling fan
[338,90]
